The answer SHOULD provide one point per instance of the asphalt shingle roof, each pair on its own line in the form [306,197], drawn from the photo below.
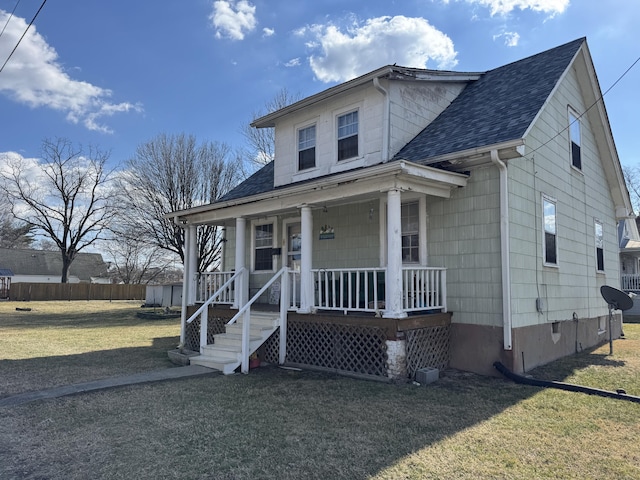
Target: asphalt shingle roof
[496,108]
[44,262]
[259,182]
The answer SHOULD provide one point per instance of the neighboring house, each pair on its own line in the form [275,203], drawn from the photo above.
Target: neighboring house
[44,266]
[425,219]
[630,261]
[629,254]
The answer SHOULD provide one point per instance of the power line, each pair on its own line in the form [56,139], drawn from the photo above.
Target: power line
[23,34]
[10,17]
[599,99]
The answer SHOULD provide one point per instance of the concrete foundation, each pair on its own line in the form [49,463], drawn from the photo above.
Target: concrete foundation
[475,348]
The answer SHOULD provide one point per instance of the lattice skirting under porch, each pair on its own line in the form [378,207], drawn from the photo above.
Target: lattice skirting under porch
[427,347]
[215,325]
[347,348]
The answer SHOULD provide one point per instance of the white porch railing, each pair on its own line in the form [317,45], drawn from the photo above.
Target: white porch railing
[294,289]
[203,310]
[363,289]
[210,282]
[424,288]
[630,282]
[349,289]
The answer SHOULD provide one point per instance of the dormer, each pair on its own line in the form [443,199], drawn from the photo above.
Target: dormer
[359,123]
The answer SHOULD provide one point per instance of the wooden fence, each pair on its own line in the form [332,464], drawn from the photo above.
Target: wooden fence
[75,291]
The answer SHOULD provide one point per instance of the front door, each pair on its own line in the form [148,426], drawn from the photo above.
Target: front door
[294,250]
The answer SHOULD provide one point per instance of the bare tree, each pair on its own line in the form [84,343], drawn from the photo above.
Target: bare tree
[132,261]
[632,179]
[171,173]
[65,196]
[261,141]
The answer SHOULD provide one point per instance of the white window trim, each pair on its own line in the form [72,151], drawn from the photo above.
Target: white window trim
[570,112]
[595,249]
[544,243]
[274,243]
[337,113]
[302,126]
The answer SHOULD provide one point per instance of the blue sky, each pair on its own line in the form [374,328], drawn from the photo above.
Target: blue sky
[115,73]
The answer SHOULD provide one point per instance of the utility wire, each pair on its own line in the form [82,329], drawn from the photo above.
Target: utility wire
[10,17]
[23,34]
[600,98]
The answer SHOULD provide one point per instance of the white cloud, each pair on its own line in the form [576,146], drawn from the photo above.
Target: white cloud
[294,62]
[34,77]
[267,32]
[410,42]
[233,19]
[511,39]
[503,7]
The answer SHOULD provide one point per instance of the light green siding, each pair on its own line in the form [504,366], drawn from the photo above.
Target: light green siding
[582,197]
[357,238]
[463,235]
[356,242]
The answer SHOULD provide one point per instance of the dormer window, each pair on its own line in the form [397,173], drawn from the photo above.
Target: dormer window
[307,147]
[348,135]
[574,136]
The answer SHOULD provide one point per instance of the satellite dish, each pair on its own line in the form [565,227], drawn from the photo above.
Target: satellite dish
[616,299]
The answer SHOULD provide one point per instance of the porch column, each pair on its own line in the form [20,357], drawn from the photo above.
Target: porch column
[240,286]
[185,289]
[192,259]
[306,251]
[393,281]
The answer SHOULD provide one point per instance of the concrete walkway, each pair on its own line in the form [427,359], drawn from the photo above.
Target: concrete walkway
[144,377]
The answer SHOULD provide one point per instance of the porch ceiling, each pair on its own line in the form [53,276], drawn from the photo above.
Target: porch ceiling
[352,186]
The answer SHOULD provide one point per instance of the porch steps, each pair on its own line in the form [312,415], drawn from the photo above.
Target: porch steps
[225,354]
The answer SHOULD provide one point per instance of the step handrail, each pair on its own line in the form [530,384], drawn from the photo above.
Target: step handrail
[246,311]
[215,295]
[257,295]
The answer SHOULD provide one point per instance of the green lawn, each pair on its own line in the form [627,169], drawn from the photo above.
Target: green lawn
[276,423]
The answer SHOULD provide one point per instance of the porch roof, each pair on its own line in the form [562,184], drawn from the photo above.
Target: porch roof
[351,185]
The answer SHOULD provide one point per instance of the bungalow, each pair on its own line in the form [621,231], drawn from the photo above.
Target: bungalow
[417,218]
[45,266]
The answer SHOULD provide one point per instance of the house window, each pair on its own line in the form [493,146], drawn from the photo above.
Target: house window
[574,136]
[599,247]
[410,222]
[263,259]
[550,246]
[307,147]
[348,135]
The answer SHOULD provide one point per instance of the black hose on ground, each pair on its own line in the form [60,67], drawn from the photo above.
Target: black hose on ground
[562,386]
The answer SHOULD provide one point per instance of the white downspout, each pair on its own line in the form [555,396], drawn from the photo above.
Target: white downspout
[504,250]
[385,120]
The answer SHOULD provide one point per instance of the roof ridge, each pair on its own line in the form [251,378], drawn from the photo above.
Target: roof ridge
[544,52]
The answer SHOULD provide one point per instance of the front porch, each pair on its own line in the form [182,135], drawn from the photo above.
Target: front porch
[345,331]
[351,246]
